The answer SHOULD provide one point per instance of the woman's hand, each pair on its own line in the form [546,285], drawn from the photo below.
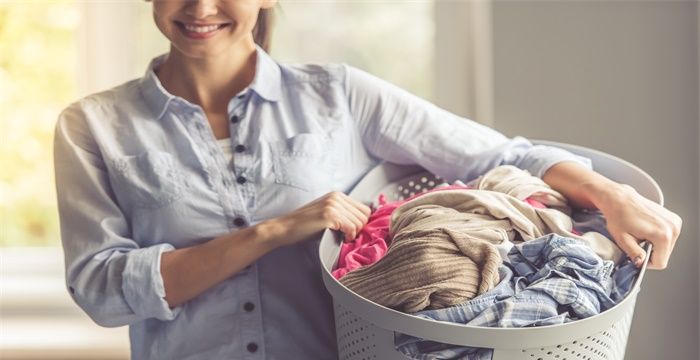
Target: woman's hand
[632,218]
[334,210]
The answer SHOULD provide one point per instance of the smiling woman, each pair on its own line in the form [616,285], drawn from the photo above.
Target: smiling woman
[189,224]
[78,36]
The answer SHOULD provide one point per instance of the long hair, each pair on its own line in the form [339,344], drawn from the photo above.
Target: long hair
[262,32]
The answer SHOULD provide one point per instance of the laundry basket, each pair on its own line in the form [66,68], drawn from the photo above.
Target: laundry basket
[365,330]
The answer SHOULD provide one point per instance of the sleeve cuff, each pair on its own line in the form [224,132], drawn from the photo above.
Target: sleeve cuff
[142,283]
[540,158]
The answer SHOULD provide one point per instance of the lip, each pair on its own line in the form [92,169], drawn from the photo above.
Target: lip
[197,35]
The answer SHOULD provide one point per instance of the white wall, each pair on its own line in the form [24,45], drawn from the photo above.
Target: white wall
[620,76]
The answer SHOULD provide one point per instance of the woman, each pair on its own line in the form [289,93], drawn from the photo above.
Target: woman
[191,200]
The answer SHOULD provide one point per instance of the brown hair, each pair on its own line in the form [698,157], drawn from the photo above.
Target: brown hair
[262,32]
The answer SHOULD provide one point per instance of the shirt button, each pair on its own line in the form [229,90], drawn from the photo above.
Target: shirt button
[71,289]
[234,119]
[252,347]
[249,306]
[239,221]
[240,148]
[241,180]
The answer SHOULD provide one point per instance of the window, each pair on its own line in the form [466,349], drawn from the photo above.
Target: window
[390,39]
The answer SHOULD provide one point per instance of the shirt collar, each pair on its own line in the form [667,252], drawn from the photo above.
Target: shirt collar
[267,82]
[268,78]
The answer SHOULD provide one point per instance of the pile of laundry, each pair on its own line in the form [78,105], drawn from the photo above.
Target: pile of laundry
[504,250]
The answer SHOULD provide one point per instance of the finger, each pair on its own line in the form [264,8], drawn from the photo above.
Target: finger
[348,227]
[364,209]
[354,213]
[670,217]
[630,246]
[661,239]
[336,220]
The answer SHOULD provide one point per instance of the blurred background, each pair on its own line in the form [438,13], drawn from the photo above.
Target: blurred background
[620,76]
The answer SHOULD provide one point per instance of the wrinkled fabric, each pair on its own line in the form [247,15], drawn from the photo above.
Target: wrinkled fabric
[587,220]
[432,263]
[549,280]
[522,185]
[371,243]
[493,210]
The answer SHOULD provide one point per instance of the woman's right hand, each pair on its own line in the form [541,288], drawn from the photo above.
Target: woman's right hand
[334,210]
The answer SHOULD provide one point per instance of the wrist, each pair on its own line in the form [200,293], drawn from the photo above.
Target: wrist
[603,193]
[271,232]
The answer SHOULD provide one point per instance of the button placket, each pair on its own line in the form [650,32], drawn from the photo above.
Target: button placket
[251,325]
[221,180]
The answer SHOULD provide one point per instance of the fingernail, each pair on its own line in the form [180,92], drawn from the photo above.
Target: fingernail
[638,261]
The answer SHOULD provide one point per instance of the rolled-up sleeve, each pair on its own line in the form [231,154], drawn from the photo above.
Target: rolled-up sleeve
[108,274]
[402,128]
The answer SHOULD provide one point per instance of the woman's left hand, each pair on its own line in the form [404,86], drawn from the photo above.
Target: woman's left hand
[632,218]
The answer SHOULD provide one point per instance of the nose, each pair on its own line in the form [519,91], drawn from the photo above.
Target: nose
[200,9]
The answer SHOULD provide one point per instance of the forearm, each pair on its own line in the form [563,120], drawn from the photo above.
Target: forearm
[190,271]
[583,188]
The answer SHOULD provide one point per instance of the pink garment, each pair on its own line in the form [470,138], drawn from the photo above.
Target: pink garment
[371,243]
[534,203]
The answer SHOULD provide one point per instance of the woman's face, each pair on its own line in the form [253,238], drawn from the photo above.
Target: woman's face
[202,28]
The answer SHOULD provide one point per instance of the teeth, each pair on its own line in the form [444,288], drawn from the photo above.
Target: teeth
[201,29]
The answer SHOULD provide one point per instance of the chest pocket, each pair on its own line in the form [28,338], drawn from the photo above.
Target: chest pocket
[304,161]
[149,180]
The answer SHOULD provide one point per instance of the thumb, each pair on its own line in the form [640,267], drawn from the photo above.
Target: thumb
[630,245]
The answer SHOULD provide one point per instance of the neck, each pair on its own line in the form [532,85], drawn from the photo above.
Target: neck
[209,82]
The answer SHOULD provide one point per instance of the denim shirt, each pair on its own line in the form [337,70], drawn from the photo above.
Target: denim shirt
[139,172]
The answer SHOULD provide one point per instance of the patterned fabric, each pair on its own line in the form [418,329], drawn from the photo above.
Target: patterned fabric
[550,280]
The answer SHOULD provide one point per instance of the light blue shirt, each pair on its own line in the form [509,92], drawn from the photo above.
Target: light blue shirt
[139,173]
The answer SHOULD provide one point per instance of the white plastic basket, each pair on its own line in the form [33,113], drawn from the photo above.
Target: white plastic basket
[365,330]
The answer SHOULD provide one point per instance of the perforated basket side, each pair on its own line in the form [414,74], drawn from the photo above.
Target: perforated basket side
[608,344]
[359,339]
[409,186]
